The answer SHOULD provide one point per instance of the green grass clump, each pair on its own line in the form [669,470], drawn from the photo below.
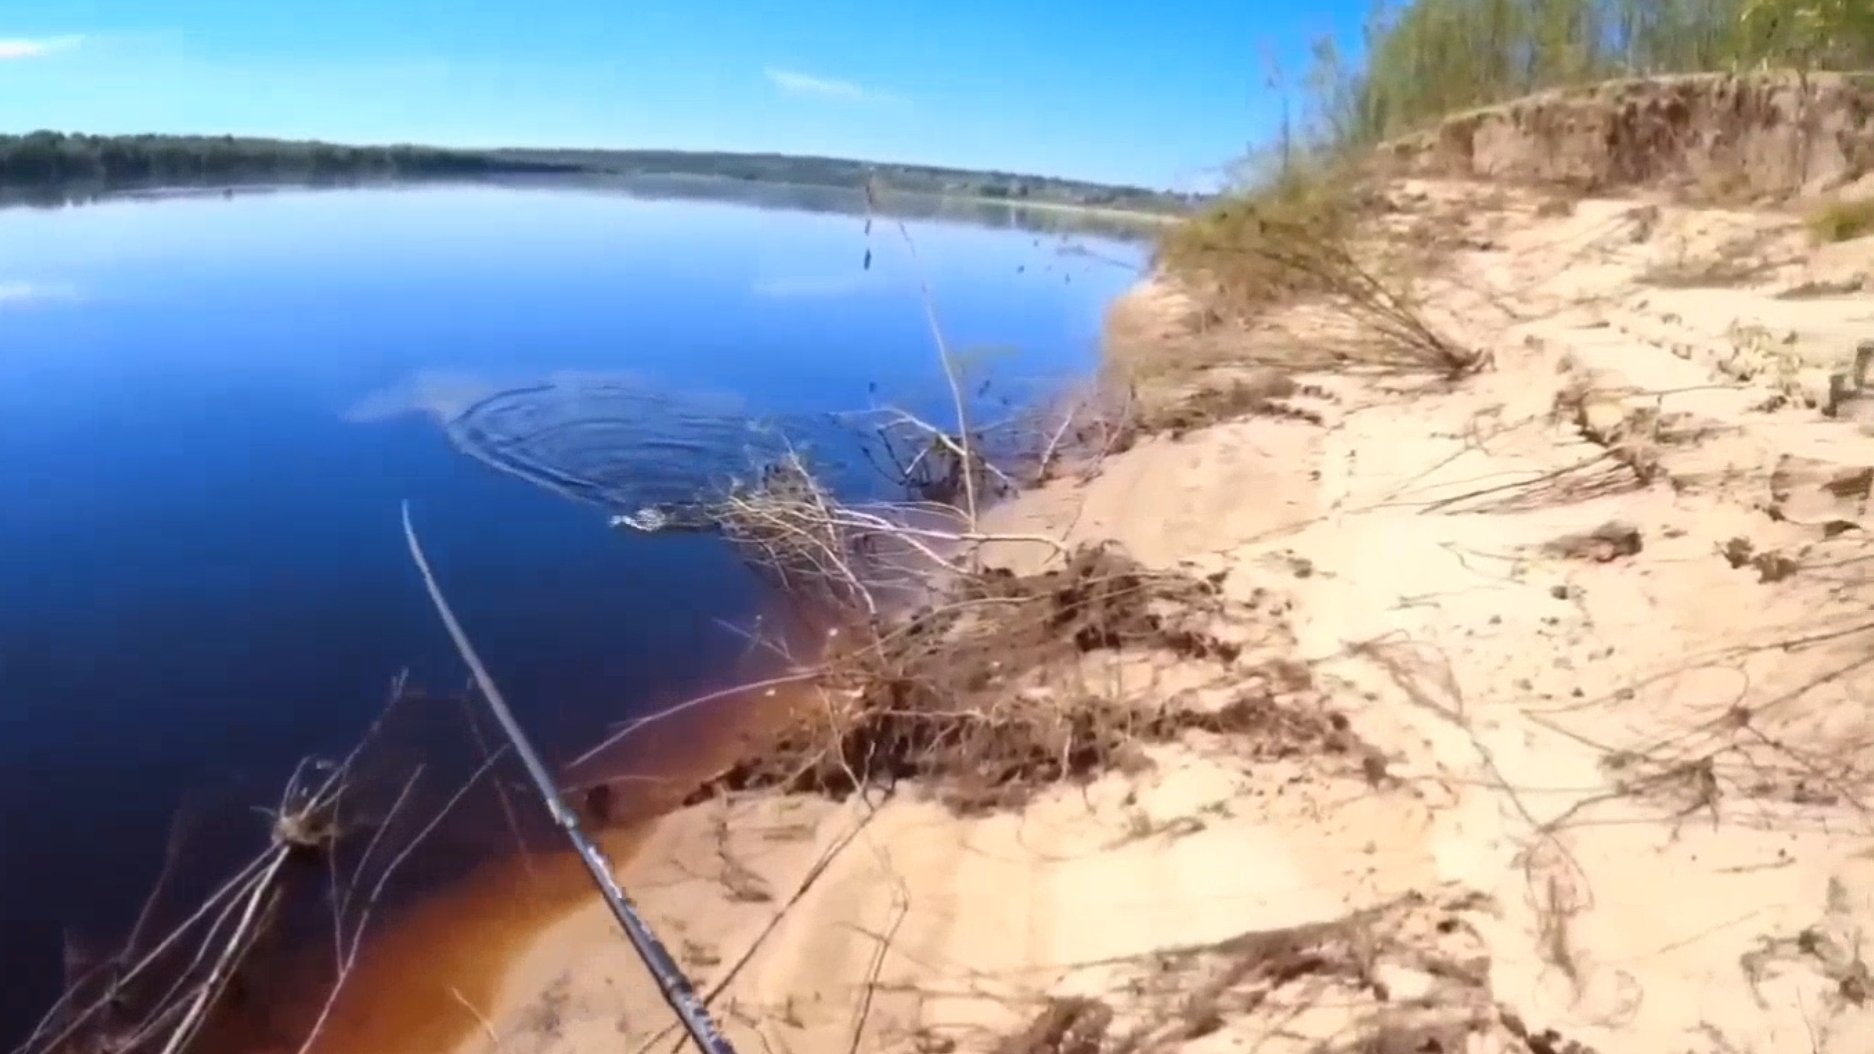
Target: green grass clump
[1843,220]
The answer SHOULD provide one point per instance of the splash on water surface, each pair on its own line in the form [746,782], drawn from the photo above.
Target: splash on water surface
[610,440]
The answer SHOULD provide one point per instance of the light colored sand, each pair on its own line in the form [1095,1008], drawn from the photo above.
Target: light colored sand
[1622,796]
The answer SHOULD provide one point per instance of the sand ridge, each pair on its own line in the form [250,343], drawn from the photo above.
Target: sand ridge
[1596,612]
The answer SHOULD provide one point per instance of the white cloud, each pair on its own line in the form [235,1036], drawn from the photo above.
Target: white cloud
[26,48]
[12,292]
[807,85]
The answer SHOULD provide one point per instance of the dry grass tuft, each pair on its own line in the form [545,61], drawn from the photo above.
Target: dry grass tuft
[1325,243]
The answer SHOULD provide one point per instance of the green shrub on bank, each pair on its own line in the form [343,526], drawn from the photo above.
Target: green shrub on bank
[1843,220]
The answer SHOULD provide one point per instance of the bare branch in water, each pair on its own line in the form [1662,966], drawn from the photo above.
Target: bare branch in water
[159,995]
[235,915]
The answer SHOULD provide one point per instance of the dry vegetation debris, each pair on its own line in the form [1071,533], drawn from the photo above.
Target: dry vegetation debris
[994,693]
[1408,976]
[1259,392]
[1608,542]
[334,843]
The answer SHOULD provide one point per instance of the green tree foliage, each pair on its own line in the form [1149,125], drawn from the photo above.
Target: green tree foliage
[1431,58]
[1836,34]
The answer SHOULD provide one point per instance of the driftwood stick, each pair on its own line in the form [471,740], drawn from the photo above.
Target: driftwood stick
[671,981]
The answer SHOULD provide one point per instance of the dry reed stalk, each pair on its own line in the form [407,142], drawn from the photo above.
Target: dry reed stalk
[948,361]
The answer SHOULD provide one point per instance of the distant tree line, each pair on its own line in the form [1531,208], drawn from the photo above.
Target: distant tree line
[1125,224]
[54,162]
[807,170]
[41,159]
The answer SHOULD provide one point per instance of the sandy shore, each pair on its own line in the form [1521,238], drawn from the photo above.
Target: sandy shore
[1607,791]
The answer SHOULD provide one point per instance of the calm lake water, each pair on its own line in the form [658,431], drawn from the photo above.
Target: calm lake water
[211,409]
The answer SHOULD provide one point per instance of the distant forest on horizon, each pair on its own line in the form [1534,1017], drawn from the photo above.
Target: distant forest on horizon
[53,162]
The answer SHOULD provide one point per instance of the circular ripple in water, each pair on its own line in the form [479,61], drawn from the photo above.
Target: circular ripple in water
[621,444]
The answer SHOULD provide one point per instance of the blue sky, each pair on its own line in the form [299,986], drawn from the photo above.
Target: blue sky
[1138,91]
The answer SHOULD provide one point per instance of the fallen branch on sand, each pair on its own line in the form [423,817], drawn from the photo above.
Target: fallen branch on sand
[941,667]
